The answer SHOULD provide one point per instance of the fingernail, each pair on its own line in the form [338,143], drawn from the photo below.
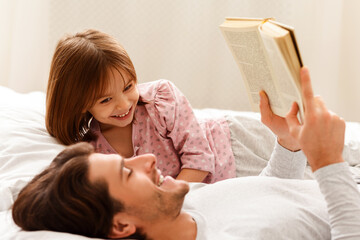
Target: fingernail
[304,70]
[261,94]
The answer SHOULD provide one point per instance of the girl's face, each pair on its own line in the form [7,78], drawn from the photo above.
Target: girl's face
[116,107]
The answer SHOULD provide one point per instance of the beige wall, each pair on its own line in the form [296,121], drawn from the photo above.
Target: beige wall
[179,40]
[349,77]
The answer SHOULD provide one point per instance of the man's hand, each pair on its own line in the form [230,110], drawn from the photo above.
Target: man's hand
[277,124]
[321,136]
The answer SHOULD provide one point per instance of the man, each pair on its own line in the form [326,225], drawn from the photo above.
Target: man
[100,195]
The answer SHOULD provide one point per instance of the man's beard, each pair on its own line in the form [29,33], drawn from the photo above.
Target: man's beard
[163,206]
[170,206]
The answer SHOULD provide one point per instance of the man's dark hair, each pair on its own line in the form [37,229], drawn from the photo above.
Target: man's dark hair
[61,198]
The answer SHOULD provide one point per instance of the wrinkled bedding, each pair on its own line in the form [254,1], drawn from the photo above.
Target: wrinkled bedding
[26,148]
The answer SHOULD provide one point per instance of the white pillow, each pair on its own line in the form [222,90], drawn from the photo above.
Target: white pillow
[25,147]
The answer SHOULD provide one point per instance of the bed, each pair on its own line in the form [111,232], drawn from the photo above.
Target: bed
[26,148]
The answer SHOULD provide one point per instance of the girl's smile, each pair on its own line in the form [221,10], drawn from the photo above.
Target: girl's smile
[123,116]
[116,108]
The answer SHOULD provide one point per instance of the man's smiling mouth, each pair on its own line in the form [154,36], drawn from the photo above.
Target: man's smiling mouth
[161,180]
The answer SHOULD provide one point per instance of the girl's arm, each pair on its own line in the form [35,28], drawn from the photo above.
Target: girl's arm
[175,120]
[192,175]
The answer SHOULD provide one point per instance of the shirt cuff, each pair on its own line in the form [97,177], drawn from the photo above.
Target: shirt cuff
[288,154]
[332,170]
[284,163]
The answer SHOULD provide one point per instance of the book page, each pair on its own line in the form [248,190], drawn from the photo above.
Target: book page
[249,53]
[286,41]
[296,57]
[284,80]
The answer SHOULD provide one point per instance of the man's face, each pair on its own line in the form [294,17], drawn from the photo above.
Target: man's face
[137,183]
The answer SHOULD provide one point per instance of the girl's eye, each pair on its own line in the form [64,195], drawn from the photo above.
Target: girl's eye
[105,100]
[128,87]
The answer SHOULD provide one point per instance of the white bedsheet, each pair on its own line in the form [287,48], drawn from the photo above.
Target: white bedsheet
[26,148]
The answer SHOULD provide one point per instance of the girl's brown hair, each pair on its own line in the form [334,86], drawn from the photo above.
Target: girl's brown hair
[78,75]
[63,199]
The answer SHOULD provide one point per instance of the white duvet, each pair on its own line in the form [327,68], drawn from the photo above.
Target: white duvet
[26,148]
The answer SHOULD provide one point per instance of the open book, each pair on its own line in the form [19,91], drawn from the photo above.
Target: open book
[269,59]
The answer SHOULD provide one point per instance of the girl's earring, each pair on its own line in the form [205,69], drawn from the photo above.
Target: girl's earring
[89,122]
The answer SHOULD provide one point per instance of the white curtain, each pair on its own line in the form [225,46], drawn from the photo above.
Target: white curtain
[24,44]
[179,40]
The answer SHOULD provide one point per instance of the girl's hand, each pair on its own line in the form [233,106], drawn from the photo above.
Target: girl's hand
[277,125]
[192,175]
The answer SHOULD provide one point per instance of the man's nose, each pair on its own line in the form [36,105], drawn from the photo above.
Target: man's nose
[147,162]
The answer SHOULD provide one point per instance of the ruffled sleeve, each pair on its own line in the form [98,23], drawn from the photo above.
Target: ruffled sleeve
[173,117]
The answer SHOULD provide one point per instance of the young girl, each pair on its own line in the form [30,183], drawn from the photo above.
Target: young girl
[93,96]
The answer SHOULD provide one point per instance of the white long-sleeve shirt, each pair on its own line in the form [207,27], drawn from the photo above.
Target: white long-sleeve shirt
[271,207]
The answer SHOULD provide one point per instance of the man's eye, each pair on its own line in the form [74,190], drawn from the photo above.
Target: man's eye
[105,100]
[128,87]
[130,173]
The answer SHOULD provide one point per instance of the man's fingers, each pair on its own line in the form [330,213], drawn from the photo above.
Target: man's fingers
[265,108]
[319,102]
[307,91]
[292,120]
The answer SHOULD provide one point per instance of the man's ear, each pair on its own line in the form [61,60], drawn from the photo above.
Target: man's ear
[121,227]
